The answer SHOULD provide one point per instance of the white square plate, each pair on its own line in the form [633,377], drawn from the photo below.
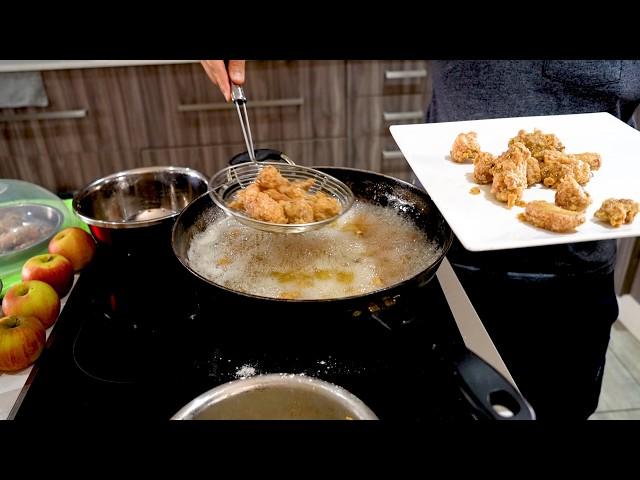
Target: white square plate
[481,222]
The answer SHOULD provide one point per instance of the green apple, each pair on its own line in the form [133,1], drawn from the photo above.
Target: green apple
[32,299]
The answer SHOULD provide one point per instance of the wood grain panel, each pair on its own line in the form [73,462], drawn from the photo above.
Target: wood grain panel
[69,172]
[368,78]
[367,116]
[319,83]
[210,159]
[368,154]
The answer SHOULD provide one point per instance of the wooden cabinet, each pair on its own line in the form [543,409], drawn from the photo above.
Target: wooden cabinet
[209,159]
[103,120]
[384,93]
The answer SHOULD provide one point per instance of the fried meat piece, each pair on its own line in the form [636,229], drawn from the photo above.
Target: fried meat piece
[465,147]
[593,159]
[510,174]
[571,196]
[483,167]
[551,217]
[259,205]
[617,211]
[323,206]
[537,142]
[273,198]
[556,165]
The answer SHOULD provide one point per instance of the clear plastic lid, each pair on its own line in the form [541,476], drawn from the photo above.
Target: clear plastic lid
[29,217]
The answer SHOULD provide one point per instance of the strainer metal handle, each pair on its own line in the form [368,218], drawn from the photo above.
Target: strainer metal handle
[238,97]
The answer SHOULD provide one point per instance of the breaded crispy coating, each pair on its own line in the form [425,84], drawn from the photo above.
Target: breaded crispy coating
[556,165]
[571,196]
[537,142]
[593,159]
[510,174]
[617,211]
[483,167]
[465,147]
[551,217]
[323,206]
[272,198]
[533,171]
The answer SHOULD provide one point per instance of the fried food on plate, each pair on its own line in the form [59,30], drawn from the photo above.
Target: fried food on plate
[571,195]
[556,165]
[593,159]
[465,147]
[510,174]
[551,217]
[483,168]
[617,211]
[273,198]
[537,142]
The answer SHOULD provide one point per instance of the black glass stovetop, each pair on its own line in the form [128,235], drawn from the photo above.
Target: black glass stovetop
[169,342]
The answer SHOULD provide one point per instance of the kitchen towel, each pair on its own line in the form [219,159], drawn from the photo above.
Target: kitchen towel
[22,89]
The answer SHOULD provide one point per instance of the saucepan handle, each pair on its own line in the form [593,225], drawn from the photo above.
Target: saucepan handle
[488,392]
[262,155]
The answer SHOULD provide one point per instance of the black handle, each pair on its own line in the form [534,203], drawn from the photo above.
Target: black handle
[488,392]
[262,155]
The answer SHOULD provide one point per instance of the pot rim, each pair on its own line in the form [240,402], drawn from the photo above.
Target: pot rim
[96,184]
[257,382]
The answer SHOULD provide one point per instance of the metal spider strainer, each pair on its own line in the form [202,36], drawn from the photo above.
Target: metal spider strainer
[224,184]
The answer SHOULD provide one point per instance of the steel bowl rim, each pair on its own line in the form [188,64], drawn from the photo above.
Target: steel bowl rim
[237,387]
[135,171]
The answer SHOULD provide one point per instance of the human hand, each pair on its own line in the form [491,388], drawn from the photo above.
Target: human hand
[219,75]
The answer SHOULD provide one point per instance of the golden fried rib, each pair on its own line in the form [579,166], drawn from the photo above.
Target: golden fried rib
[571,196]
[483,167]
[556,165]
[272,198]
[465,147]
[510,174]
[551,217]
[617,211]
[537,142]
[593,159]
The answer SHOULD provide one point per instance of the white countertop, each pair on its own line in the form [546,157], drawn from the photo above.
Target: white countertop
[40,65]
[473,332]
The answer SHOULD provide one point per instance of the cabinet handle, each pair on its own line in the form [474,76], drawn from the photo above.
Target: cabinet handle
[61,115]
[392,155]
[401,116]
[404,74]
[198,107]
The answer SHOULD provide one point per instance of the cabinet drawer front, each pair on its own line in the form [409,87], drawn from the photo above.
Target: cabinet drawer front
[210,159]
[380,154]
[89,110]
[286,100]
[374,115]
[67,172]
[392,77]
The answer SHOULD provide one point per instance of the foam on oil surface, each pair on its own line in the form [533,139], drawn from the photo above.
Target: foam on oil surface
[368,248]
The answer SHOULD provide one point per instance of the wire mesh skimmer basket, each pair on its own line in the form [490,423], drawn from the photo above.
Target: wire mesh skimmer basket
[227,182]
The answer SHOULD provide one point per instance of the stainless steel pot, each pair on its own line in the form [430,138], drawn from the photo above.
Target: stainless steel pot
[276,397]
[135,200]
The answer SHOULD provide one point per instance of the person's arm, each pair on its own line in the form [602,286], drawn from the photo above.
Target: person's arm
[219,73]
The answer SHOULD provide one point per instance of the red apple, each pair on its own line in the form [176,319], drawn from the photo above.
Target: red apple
[75,244]
[32,299]
[50,268]
[22,340]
